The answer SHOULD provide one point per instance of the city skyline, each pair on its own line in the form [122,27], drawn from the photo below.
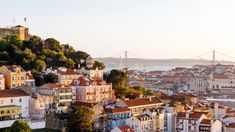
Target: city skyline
[152,29]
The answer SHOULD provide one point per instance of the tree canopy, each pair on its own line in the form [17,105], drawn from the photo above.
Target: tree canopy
[81,120]
[119,80]
[36,53]
[19,126]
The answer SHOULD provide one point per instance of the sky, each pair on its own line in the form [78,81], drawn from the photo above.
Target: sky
[147,28]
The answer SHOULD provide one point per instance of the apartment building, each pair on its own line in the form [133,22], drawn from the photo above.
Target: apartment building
[14,104]
[92,90]
[141,123]
[14,75]
[138,106]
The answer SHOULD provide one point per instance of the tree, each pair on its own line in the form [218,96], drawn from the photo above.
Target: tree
[39,80]
[19,126]
[99,65]
[81,120]
[39,65]
[35,43]
[53,44]
[50,78]
[117,78]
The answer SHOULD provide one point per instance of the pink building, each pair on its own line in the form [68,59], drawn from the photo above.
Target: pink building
[92,90]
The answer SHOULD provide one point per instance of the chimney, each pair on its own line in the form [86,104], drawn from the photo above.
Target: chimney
[150,99]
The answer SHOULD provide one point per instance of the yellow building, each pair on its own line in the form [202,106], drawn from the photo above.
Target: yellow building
[19,30]
[66,75]
[14,76]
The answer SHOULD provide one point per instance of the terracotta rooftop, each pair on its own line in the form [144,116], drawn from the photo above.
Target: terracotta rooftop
[29,76]
[12,68]
[87,81]
[126,129]
[68,72]
[231,125]
[78,103]
[144,101]
[54,85]
[117,110]
[181,115]
[195,115]
[12,93]
[206,122]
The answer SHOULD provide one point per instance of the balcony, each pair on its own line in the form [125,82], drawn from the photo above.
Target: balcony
[10,110]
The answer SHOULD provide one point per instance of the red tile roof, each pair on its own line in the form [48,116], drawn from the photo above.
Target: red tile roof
[68,72]
[181,115]
[195,115]
[29,76]
[12,93]
[87,81]
[54,85]
[206,122]
[231,125]
[13,67]
[78,103]
[117,110]
[144,101]
[126,129]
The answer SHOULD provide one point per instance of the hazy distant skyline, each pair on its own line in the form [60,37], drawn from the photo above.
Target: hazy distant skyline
[149,28]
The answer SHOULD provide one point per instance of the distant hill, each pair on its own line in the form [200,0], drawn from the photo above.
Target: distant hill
[146,63]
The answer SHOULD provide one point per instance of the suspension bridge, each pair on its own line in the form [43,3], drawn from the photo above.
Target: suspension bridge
[213,56]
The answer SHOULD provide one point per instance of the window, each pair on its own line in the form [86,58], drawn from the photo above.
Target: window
[20,100]
[11,100]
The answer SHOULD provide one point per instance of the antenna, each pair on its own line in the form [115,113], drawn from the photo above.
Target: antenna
[213,58]
[125,62]
[14,21]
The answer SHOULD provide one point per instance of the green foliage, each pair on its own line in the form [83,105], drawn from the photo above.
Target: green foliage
[119,80]
[39,80]
[50,78]
[136,91]
[35,53]
[19,126]
[81,120]
[39,65]
[99,65]
[179,98]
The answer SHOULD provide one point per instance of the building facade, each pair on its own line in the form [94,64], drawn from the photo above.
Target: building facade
[117,117]
[19,30]
[92,90]
[14,104]
[14,75]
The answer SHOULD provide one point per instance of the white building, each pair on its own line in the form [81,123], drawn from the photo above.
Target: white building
[14,104]
[208,125]
[188,122]
[217,111]
[158,116]
[141,123]
[122,129]
[29,80]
